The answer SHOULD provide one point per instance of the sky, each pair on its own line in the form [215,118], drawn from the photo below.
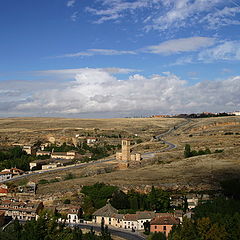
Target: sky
[118,58]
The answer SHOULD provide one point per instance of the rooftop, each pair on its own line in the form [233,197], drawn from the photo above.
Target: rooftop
[106,211]
[167,220]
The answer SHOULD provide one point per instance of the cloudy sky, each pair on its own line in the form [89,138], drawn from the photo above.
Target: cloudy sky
[118,58]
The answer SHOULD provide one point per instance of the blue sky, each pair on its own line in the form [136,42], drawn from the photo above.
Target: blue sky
[111,58]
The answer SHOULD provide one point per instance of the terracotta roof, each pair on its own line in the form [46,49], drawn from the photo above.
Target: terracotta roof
[59,154]
[3,190]
[167,220]
[130,217]
[145,214]
[2,213]
[164,215]
[5,172]
[118,216]
[106,211]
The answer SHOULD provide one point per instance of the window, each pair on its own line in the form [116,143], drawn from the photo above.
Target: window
[155,227]
[164,228]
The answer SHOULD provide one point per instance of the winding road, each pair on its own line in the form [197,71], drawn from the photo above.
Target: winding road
[80,165]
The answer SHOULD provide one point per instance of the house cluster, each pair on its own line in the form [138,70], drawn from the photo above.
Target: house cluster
[9,173]
[159,222]
[190,201]
[72,214]
[15,209]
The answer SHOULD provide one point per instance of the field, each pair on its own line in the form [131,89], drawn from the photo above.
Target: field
[29,130]
[168,170]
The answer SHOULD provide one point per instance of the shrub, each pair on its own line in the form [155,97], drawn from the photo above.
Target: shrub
[43,181]
[69,176]
[67,201]
[53,180]
[219,151]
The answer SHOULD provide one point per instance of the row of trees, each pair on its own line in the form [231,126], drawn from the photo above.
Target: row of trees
[97,195]
[16,157]
[216,220]
[98,151]
[191,153]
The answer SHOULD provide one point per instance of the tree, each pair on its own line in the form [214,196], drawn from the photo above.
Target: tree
[187,151]
[120,200]
[157,236]
[146,227]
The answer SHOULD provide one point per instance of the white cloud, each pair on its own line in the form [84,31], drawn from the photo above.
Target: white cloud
[113,10]
[182,61]
[74,16]
[168,47]
[70,3]
[93,52]
[169,14]
[223,17]
[66,73]
[228,50]
[181,45]
[99,91]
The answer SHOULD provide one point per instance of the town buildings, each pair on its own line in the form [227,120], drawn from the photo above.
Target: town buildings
[21,210]
[70,155]
[163,223]
[3,190]
[9,173]
[160,222]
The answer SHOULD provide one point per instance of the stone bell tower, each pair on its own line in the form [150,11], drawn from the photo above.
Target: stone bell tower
[126,155]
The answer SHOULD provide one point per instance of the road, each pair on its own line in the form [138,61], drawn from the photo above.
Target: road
[144,156]
[114,231]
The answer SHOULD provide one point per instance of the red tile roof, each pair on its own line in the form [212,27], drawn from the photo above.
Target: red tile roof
[167,220]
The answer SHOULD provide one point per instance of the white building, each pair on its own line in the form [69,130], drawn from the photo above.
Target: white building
[73,215]
[64,155]
[136,221]
[192,201]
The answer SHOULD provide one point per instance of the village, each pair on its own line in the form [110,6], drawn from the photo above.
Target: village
[19,202]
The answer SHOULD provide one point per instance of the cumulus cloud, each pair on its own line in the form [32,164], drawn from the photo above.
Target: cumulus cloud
[99,91]
[181,45]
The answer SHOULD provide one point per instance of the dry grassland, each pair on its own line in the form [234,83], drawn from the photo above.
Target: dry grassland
[170,170]
[29,130]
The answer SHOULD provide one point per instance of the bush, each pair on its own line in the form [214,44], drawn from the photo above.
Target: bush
[219,151]
[139,141]
[43,181]
[53,180]
[67,201]
[188,153]
[69,176]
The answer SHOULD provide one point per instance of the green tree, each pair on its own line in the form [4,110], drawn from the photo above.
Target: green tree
[187,151]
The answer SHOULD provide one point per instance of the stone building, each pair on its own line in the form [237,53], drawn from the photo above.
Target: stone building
[163,223]
[125,158]
[21,210]
[64,155]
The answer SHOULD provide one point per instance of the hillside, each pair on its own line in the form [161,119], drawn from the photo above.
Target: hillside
[168,170]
